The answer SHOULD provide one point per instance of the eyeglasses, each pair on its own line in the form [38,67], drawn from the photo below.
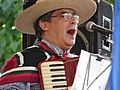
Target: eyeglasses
[68,16]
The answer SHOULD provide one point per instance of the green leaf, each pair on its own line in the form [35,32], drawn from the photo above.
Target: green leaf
[14,46]
[2,32]
[9,37]
[2,50]
[7,55]
[5,5]
[2,42]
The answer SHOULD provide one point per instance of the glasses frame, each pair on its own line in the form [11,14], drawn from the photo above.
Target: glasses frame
[68,16]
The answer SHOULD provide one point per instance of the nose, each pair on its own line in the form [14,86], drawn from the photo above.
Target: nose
[74,21]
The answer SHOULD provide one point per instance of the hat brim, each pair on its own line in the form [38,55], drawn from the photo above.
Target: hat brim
[25,21]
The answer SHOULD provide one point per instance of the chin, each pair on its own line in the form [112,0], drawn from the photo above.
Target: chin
[71,43]
[69,46]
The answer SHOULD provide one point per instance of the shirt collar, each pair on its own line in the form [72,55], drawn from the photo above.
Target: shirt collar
[53,47]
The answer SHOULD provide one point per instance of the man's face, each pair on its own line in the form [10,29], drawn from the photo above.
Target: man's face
[60,31]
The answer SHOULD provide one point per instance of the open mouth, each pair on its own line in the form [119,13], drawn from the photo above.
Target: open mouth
[71,31]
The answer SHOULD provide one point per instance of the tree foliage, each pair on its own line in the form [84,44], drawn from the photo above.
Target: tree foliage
[110,1]
[10,38]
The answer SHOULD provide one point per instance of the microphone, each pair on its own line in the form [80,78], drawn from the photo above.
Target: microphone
[91,26]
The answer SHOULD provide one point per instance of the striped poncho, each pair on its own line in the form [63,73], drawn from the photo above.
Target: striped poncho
[22,66]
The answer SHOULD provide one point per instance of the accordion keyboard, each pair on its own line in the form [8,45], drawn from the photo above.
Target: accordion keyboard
[53,75]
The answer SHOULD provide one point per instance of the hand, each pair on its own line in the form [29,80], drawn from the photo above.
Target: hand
[69,88]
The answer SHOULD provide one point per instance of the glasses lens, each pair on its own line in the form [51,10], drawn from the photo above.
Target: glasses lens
[69,16]
[77,18]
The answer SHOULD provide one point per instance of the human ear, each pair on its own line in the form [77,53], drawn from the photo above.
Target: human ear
[44,25]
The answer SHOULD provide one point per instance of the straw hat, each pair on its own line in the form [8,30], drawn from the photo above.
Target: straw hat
[25,21]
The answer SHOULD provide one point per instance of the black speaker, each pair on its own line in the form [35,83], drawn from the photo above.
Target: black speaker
[95,42]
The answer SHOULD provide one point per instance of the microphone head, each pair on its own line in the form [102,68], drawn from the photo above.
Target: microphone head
[89,26]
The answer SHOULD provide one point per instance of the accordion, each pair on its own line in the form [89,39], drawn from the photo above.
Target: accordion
[57,74]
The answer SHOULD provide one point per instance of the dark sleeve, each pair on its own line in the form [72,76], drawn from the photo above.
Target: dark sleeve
[33,56]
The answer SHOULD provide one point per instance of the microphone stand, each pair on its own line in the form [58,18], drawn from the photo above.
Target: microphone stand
[99,58]
[87,72]
[98,76]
